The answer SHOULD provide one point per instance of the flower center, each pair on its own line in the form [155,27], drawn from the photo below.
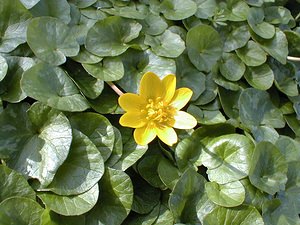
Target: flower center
[158,112]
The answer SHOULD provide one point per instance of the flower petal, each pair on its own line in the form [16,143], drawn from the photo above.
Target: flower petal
[184,120]
[181,98]
[167,135]
[132,119]
[131,102]
[144,135]
[169,86]
[150,86]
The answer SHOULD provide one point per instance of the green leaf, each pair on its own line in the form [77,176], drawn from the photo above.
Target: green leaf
[232,67]
[235,37]
[82,169]
[277,47]
[178,9]
[29,3]
[3,67]
[285,78]
[84,56]
[82,3]
[188,76]
[268,170]
[47,148]
[51,40]
[260,77]
[265,133]
[236,216]
[90,86]
[14,184]
[12,81]
[252,54]
[111,36]
[143,219]
[207,117]
[228,158]
[52,86]
[256,108]
[117,151]
[14,18]
[168,173]
[132,152]
[71,205]
[115,200]
[289,148]
[229,101]
[204,47]
[15,129]
[165,216]
[137,63]
[278,15]
[153,24]
[51,218]
[97,128]
[185,196]
[228,195]
[293,39]
[21,211]
[109,69]
[53,8]
[205,8]
[168,44]
[256,22]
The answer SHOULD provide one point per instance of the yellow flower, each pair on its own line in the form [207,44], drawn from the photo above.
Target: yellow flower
[156,110]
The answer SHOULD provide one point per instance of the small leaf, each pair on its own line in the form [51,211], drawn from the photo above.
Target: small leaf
[115,200]
[252,54]
[3,67]
[236,37]
[228,195]
[21,211]
[111,36]
[51,218]
[260,77]
[51,40]
[178,9]
[168,173]
[232,67]
[268,170]
[204,47]
[71,205]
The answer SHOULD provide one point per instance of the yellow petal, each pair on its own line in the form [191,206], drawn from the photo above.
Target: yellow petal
[169,86]
[144,135]
[150,86]
[181,98]
[132,119]
[184,120]
[167,135]
[131,102]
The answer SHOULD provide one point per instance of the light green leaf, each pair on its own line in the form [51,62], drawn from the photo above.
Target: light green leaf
[278,15]
[111,36]
[52,86]
[14,18]
[82,169]
[168,44]
[97,128]
[143,219]
[115,200]
[228,195]
[228,158]
[165,216]
[232,67]
[53,8]
[51,40]
[268,170]
[204,47]
[260,77]
[132,152]
[14,184]
[256,22]
[12,81]
[265,133]
[256,108]
[207,117]
[82,3]
[51,218]
[153,24]
[3,67]
[252,54]
[21,211]
[185,196]
[205,8]
[84,56]
[178,9]
[71,205]
[47,148]
[29,3]
[236,216]
[109,69]
[289,148]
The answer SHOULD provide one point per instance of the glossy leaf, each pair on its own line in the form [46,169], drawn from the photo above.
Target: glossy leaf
[260,77]
[252,54]
[178,9]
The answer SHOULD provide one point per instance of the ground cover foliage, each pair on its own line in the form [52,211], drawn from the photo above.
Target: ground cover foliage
[66,160]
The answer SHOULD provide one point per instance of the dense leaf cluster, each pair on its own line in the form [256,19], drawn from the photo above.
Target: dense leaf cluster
[66,160]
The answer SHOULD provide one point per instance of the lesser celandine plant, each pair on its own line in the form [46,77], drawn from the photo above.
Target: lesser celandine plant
[156,110]
[86,86]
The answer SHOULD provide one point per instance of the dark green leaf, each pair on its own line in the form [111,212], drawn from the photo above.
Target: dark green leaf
[252,54]
[260,77]
[232,67]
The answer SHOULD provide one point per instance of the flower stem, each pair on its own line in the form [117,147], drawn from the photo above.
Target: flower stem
[115,88]
[292,58]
